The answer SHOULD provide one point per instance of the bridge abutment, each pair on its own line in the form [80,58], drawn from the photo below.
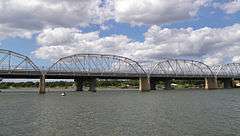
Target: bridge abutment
[211,83]
[79,84]
[42,85]
[228,83]
[144,84]
[93,85]
[167,84]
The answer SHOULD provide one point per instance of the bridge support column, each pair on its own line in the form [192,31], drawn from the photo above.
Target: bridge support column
[153,84]
[144,84]
[79,84]
[167,84]
[93,84]
[228,83]
[42,86]
[211,83]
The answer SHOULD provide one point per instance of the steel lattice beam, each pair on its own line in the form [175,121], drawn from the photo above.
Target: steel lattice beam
[96,63]
[231,70]
[181,68]
[113,65]
[12,61]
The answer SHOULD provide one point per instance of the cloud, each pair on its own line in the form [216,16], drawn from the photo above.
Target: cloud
[6,32]
[22,18]
[23,15]
[229,7]
[211,45]
[59,42]
[156,11]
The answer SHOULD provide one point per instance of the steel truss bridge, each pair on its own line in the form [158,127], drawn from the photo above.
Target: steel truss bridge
[92,66]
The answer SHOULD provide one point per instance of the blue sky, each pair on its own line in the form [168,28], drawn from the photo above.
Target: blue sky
[121,28]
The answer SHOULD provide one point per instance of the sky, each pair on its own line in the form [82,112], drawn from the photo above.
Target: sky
[143,30]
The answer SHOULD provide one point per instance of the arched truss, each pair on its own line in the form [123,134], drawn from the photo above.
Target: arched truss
[96,63]
[11,61]
[227,70]
[181,68]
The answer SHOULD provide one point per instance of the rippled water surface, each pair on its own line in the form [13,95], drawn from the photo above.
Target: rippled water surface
[125,113]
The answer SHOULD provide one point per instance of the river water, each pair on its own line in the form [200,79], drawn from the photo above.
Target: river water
[121,113]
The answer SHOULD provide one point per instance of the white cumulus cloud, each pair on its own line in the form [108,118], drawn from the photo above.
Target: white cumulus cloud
[211,45]
[6,32]
[23,18]
[59,42]
[156,11]
[34,15]
[229,7]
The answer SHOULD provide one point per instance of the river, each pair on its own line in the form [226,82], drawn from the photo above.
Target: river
[121,113]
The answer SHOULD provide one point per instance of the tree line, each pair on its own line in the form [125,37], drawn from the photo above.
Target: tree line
[100,83]
[64,84]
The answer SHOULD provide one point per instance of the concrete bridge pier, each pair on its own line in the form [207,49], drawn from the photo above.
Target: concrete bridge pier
[211,83]
[93,84]
[228,83]
[167,84]
[42,86]
[79,84]
[144,84]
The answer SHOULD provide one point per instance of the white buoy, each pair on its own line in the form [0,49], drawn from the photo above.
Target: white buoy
[63,94]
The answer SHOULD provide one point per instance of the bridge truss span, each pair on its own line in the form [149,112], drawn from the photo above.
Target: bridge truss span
[17,65]
[96,65]
[231,70]
[180,68]
[85,68]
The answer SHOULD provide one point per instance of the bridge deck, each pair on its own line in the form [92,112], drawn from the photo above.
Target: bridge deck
[109,75]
